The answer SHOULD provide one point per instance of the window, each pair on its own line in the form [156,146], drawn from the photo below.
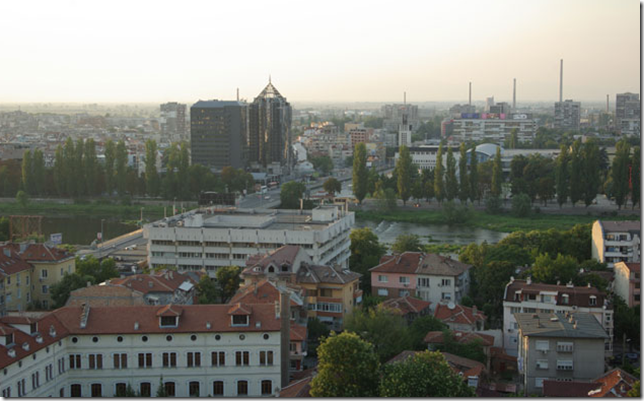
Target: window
[6,393]
[403,293]
[145,389]
[194,359]
[35,380]
[170,389]
[446,282]
[423,282]
[120,361]
[543,345]
[403,280]
[326,292]
[564,364]
[240,320]
[145,360]
[96,361]
[43,274]
[564,299]
[170,359]
[446,295]
[168,321]
[97,390]
[218,358]
[542,364]
[266,358]
[242,358]
[120,389]
[564,347]
[193,388]
[61,365]
[218,388]
[267,387]
[74,361]
[593,300]
[242,387]
[21,388]
[514,309]
[383,292]
[529,310]
[382,278]
[75,390]
[49,372]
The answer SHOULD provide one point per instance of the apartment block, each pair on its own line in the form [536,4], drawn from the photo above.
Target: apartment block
[616,241]
[567,115]
[628,282]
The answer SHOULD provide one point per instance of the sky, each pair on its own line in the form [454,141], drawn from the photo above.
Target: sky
[317,51]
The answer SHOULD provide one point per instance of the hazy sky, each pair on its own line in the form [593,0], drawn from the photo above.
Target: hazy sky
[141,51]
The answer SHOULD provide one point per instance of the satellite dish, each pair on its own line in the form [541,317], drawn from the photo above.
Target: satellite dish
[451,305]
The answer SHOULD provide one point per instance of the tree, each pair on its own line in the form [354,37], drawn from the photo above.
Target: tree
[493,204]
[27,172]
[591,162]
[59,172]
[120,167]
[439,190]
[208,291]
[60,291]
[474,177]
[426,374]
[110,154]
[348,367]
[404,171]
[419,329]
[151,174]
[562,175]
[38,172]
[636,183]
[22,198]
[291,193]
[635,390]
[546,270]
[360,174]
[366,252]
[228,280]
[620,172]
[497,174]
[332,186]
[576,173]
[463,184]
[323,164]
[382,327]
[79,168]
[407,243]
[161,390]
[90,164]
[451,185]
[417,190]
[521,205]
[514,138]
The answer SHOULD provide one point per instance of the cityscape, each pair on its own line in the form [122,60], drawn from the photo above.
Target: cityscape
[441,199]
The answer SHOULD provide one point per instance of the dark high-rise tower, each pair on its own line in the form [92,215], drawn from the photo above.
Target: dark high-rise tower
[219,133]
[270,131]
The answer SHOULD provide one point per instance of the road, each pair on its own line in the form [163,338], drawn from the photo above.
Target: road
[115,245]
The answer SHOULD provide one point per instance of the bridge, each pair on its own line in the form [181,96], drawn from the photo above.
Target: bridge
[114,245]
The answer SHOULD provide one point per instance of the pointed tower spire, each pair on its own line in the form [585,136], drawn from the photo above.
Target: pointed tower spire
[269,78]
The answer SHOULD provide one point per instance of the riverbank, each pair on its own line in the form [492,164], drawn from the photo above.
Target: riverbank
[90,209]
[478,219]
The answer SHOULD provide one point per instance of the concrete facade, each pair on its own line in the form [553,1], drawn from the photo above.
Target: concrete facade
[616,241]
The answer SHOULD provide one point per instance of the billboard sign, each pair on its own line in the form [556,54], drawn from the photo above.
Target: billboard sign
[519,116]
[56,238]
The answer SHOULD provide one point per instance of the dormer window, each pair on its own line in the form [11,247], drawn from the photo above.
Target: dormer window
[240,320]
[8,339]
[593,300]
[565,299]
[285,268]
[33,328]
[169,321]
[271,269]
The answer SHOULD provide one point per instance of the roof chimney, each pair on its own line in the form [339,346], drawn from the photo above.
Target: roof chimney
[570,284]
[84,316]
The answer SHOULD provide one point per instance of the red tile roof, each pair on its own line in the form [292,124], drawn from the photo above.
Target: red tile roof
[240,309]
[553,388]
[105,295]
[41,253]
[436,337]
[405,305]
[420,263]
[261,292]
[614,383]
[577,295]
[458,314]
[405,263]
[169,310]
[164,281]
[297,389]
[633,267]
[11,262]
[298,332]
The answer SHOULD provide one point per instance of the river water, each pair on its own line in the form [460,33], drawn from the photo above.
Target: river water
[387,232]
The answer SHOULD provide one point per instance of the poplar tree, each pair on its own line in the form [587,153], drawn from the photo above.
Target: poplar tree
[636,184]
[27,175]
[68,157]
[404,170]
[451,185]
[151,174]
[360,173]
[79,170]
[562,175]
[110,154]
[121,167]
[38,172]
[497,174]
[439,191]
[576,171]
[474,177]
[59,171]
[464,186]
[591,161]
[620,172]
[90,163]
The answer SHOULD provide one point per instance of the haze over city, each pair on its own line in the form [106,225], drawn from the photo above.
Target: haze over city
[118,51]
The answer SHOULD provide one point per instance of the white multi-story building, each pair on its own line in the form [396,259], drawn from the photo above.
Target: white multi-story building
[490,126]
[616,241]
[424,157]
[567,115]
[524,296]
[209,238]
[193,350]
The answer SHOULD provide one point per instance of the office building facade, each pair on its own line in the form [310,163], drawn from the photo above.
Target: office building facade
[627,113]
[567,115]
[173,121]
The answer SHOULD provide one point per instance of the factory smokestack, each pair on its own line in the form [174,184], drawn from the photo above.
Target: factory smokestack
[561,82]
[470,101]
[514,95]
[607,104]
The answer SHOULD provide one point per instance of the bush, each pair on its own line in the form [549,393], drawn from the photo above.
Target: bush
[456,214]
[521,205]
[493,205]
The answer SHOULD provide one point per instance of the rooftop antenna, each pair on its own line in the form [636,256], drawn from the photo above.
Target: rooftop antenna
[470,101]
[561,82]
[514,95]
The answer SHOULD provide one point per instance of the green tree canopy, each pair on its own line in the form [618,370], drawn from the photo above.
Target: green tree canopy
[228,280]
[636,179]
[323,164]
[404,172]
[360,173]
[291,193]
[521,205]
[563,268]
[366,252]
[497,174]
[426,374]
[407,243]
[463,183]
[332,186]
[419,329]
[451,185]
[386,330]
[60,291]
[348,367]
[620,173]
[208,291]
[439,185]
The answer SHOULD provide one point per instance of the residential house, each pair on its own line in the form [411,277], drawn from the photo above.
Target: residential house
[161,288]
[15,286]
[105,295]
[434,339]
[431,277]
[408,307]
[561,346]
[616,241]
[459,317]
[524,296]
[628,282]
[614,383]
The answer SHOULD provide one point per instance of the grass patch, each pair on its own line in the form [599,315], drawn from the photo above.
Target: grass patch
[502,223]
[94,209]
